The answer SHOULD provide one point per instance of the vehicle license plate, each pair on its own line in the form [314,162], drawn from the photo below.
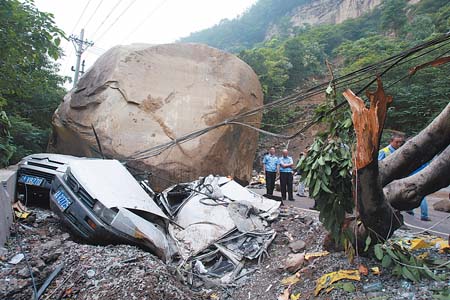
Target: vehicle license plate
[31,180]
[62,199]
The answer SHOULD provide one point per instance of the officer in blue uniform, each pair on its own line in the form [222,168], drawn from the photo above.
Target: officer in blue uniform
[270,164]
[285,164]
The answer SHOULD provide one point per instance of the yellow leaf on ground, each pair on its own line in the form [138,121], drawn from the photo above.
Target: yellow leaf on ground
[291,279]
[310,255]
[326,280]
[423,255]
[295,296]
[419,244]
[375,270]
[22,215]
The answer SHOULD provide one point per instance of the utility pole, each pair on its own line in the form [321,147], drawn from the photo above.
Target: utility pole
[80,46]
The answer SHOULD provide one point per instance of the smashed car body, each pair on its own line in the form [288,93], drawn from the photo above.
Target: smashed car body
[101,202]
[220,226]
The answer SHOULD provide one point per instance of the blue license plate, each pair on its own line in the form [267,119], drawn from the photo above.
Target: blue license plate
[62,199]
[31,180]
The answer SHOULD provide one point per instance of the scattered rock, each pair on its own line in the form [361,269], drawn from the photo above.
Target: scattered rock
[39,263]
[25,273]
[51,244]
[65,236]
[294,262]
[442,205]
[297,246]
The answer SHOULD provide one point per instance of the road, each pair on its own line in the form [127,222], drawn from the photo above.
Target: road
[439,224]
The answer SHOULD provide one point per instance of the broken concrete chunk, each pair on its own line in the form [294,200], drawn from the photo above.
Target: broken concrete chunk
[16,259]
[297,246]
[294,262]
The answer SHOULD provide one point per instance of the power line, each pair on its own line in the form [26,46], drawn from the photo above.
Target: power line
[115,21]
[79,18]
[107,17]
[157,7]
[92,15]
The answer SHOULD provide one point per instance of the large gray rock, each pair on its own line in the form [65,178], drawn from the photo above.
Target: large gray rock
[141,96]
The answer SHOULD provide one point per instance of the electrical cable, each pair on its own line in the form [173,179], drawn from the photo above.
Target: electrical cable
[79,18]
[139,25]
[106,18]
[115,21]
[92,15]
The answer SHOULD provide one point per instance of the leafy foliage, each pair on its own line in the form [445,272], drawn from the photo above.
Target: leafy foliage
[326,170]
[30,88]
[407,265]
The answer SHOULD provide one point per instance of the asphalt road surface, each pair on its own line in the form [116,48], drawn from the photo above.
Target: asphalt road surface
[439,224]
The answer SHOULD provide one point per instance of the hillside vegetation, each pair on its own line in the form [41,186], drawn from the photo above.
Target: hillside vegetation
[295,58]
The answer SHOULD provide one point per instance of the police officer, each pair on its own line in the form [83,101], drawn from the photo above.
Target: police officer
[270,163]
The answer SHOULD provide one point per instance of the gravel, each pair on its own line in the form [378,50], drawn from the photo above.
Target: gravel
[127,272]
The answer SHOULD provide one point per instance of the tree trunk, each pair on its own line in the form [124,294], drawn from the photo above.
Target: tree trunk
[382,188]
[378,217]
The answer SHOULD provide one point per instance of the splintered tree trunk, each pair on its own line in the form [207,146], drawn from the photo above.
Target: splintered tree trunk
[380,220]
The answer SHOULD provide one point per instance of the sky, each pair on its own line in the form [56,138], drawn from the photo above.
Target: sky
[108,23]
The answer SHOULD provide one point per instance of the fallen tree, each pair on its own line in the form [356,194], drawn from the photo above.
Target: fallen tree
[383,189]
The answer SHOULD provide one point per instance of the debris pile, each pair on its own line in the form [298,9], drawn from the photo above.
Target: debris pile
[88,271]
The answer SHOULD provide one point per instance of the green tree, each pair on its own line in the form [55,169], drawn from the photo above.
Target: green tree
[30,88]
[393,16]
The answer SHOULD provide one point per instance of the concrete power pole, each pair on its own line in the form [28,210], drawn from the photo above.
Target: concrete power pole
[80,46]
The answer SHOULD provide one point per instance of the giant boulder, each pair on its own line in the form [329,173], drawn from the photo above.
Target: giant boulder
[140,96]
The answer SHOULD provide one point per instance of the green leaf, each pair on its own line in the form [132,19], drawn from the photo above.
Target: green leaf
[326,189]
[316,188]
[368,242]
[397,271]
[430,273]
[407,274]
[327,170]
[321,161]
[378,251]
[391,253]
[387,261]
[348,287]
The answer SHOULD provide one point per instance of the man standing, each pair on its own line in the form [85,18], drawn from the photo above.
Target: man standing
[396,141]
[270,163]
[285,164]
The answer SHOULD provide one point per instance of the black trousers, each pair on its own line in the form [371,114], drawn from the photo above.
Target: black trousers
[270,182]
[286,179]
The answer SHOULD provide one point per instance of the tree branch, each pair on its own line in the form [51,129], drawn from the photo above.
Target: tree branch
[407,193]
[417,151]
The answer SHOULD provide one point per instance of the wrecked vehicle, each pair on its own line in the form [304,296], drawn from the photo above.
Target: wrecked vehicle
[101,202]
[209,228]
[220,225]
[35,175]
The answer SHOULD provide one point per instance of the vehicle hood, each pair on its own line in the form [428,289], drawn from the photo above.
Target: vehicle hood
[110,182]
